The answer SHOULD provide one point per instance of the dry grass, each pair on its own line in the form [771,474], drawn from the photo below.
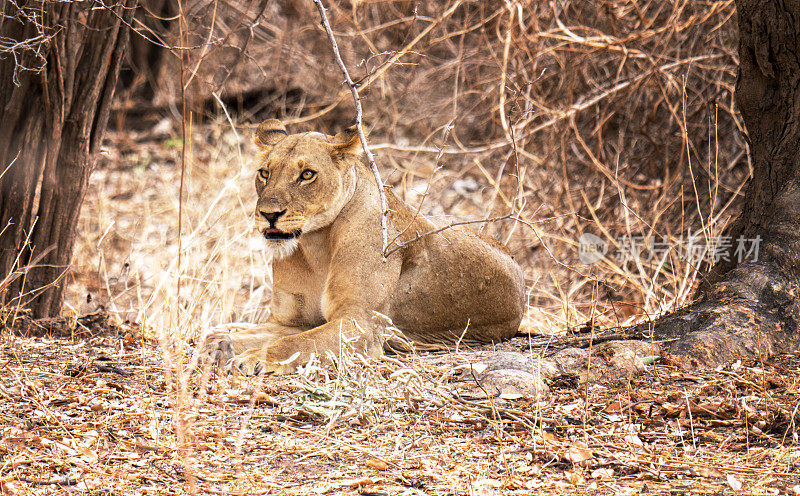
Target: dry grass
[615,119]
[108,416]
[618,119]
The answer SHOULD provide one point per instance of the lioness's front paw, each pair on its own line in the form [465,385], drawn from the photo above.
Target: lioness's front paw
[218,346]
[258,361]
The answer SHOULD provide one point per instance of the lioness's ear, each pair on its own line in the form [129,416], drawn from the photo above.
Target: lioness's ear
[346,142]
[269,133]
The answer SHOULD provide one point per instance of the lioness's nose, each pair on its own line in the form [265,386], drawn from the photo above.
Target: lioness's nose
[272,217]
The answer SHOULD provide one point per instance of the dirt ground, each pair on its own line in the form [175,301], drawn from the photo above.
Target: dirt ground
[115,414]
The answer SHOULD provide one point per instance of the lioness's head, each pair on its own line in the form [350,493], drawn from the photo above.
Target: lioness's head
[303,181]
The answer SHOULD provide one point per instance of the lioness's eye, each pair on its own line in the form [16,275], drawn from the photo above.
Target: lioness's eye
[307,174]
[264,174]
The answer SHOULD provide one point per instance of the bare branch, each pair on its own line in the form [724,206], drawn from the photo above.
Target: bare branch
[378,72]
[443,228]
[439,165]
[359,126]
[523,129]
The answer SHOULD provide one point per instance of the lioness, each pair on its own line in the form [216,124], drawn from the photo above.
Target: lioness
[319,211]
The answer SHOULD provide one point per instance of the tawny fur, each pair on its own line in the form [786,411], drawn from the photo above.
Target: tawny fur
[330,281]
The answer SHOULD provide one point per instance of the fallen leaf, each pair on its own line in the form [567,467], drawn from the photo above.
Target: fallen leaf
[735,484]
[487,487]
[366,481]
[649,360]
[634,439]
[705,471]
[377,464]
[603,473]
[550,438]
[574,477]
[578,454]
[8,488]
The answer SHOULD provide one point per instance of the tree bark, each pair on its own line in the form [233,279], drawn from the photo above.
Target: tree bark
[752,307]
[55,94]
[146,56]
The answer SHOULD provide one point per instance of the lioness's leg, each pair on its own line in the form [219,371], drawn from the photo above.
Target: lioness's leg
[285,354]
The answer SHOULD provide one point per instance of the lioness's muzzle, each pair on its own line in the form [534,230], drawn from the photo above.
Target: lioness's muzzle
[272,233]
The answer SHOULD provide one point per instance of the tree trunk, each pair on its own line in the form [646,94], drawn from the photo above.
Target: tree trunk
[146,56]
[752,307]
[56,87]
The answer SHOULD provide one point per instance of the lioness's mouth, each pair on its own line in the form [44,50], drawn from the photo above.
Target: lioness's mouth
[271,233]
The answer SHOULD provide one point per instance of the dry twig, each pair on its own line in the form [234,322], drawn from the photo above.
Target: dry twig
[359,125]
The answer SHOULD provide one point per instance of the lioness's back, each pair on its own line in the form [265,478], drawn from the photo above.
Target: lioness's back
[454,284]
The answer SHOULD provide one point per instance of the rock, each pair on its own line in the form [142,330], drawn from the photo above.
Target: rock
[523,375]
[514,384]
